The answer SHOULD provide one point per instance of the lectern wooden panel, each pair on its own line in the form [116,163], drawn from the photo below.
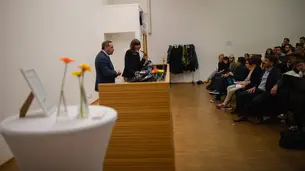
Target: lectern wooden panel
[142,139]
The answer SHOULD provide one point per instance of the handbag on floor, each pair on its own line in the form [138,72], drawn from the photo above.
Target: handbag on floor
[292,140]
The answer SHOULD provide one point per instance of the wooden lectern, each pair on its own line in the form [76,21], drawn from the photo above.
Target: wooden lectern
[142,139]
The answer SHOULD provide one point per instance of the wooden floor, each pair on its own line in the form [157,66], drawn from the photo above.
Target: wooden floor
[207,140]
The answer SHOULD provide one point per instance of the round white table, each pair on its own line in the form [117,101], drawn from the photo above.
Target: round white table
[44,143]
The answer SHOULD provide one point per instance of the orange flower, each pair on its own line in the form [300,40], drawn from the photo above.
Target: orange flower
[66,60]
[154,70]
[85,67]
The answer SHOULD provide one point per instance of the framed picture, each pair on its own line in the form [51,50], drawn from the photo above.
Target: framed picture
[38,90]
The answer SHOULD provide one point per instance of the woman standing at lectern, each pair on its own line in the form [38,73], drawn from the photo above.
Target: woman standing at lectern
[133,61]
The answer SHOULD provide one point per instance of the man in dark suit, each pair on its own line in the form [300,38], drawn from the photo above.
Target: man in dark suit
[105,72]
[263,94]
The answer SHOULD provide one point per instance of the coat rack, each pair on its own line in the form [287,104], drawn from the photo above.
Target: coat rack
[188,56]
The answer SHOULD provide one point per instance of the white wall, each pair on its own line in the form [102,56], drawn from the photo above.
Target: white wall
[142,3]
[251,25]
[124,18]
[122,27]
[36,34]
[121,42]
[4,151]
[106,2]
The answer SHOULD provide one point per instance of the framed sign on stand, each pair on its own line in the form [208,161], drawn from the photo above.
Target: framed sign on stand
[38,92]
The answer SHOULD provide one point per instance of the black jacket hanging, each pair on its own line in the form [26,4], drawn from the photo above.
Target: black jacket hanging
[191,56]
[182,58]
[175,60]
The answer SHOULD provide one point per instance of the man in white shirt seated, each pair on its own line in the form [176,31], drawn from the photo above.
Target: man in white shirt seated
[299,69]
[290,96]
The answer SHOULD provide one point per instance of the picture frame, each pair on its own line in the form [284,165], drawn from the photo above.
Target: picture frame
[38,91]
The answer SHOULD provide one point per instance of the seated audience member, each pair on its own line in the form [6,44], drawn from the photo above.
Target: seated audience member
[300,50]
[299,47]
[291,62]
[260,96]
[220,60]
[297,67]
[294,70]
[297,101]
[217,80]
[268,52]
[283,59]
[300,65]
[288,64]
[247,56]
[224,66]
[302,41]
[290,68]
[287,49]
[252,80]
[240,73]
[274,50]
[133,61]
[286,41]
[291,99]
[232,63]
[278,51]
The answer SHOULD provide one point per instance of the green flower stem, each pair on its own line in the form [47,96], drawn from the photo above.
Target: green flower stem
[61,96]
[62,88]
[81,98]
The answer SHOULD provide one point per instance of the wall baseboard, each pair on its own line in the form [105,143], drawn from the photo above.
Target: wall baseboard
[10,161]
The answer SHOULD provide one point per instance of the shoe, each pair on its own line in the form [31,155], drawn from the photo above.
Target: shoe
[281,116]
[241,119]
[214,92]
[219,106]
[215,101]
[293,128]
[258,121]
[226,108]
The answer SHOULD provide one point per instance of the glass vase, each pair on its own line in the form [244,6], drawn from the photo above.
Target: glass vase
[83,109]
[62,111]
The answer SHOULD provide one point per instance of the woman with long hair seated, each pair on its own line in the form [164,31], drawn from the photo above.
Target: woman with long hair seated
[268,52]
[239,74]
[133,61]
[223,68]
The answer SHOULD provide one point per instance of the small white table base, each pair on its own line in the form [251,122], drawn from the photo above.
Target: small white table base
[42,143]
